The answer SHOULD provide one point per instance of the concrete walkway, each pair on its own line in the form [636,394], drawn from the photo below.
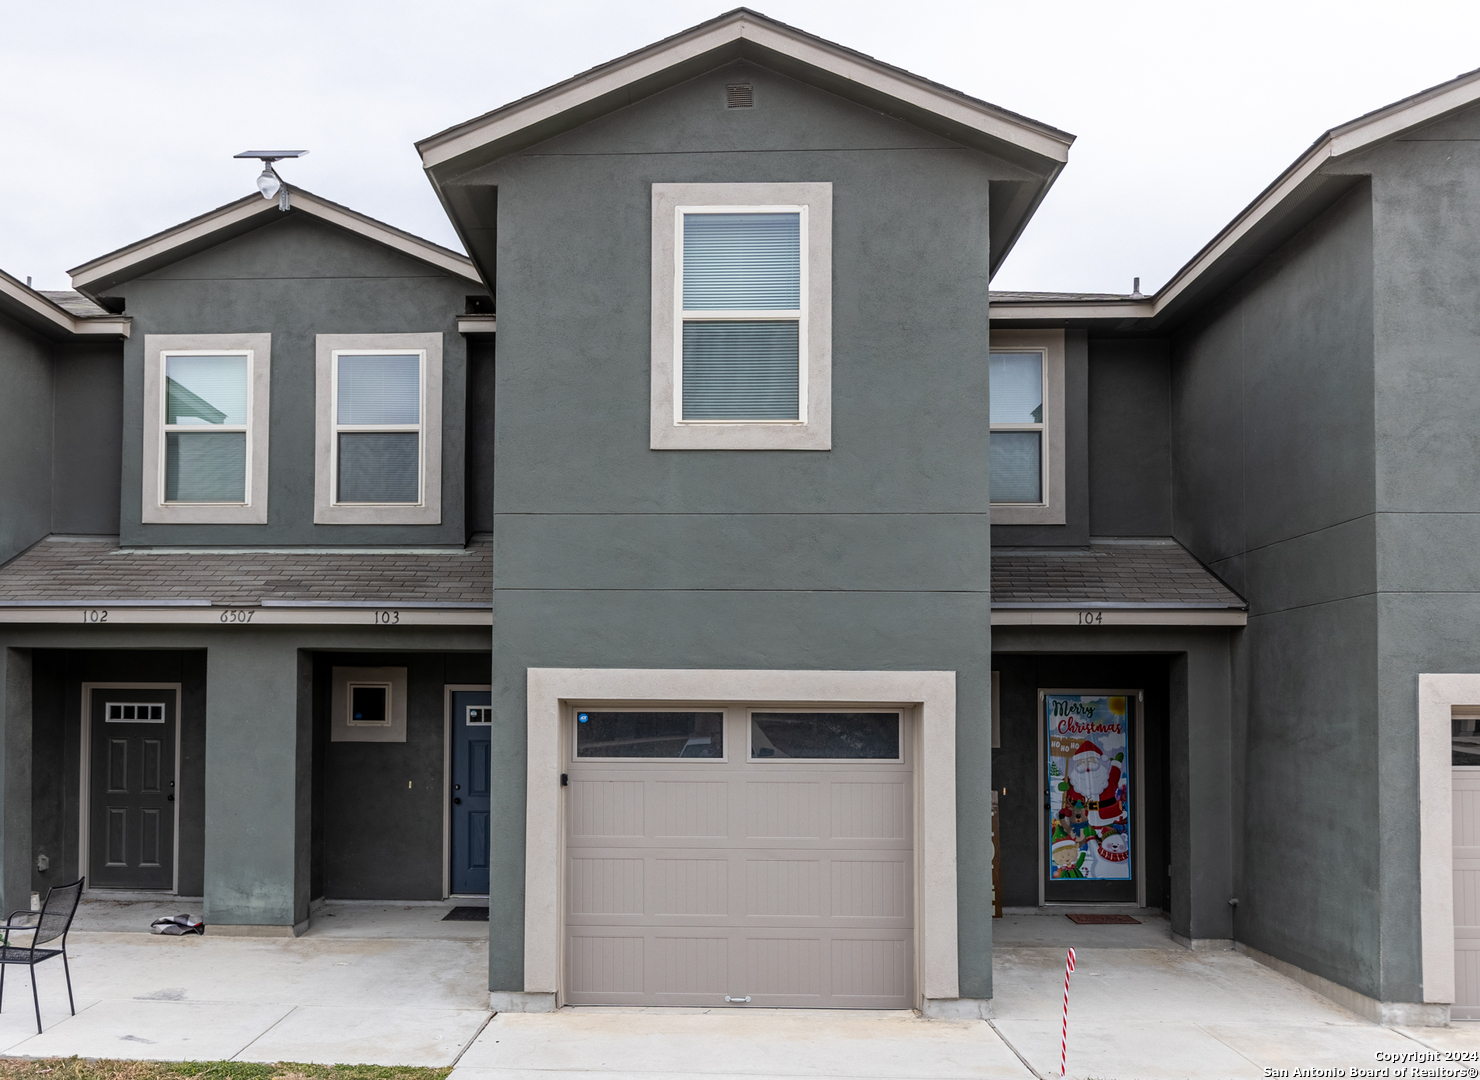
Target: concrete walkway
[386,984]
[392,984]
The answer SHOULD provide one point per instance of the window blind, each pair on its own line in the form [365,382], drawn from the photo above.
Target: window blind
[379,467]
[742,262]
[379,390]
[1016,388]
[205,390]
[741,371]
[205,467]
[1017,466]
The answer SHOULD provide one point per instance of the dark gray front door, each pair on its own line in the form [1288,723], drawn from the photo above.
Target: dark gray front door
[471,789]
[131,816]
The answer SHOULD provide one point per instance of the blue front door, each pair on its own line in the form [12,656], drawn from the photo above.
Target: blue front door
[472,717]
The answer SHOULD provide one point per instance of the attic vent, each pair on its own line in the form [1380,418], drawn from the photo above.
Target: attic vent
[739,96]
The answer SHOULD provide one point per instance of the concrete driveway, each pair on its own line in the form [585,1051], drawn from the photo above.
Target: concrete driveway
[392,984]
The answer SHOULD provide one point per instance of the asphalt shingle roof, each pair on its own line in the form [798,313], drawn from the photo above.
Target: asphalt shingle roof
[1148,573]
[73,302]
[95,570]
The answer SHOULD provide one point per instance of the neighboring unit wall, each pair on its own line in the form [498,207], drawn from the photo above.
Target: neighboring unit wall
[25,438]
[1272,434]
[1130,450]
[295,278]
[870,556]
[88,438]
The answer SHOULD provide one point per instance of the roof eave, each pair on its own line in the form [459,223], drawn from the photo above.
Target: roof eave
[241,216]
[46,317]
[716,40]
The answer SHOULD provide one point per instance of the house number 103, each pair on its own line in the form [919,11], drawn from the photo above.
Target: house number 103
[387,618]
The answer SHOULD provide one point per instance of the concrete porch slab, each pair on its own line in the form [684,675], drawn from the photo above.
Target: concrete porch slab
[347,1035]
[619,1043]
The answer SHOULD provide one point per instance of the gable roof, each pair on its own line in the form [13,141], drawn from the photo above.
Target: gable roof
[1290,202]
[242,216]
[44,315]
[1039,149]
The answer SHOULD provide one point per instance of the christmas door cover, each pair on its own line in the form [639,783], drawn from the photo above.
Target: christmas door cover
[1089,835]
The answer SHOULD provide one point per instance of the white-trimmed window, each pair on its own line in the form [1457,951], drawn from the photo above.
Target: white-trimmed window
[742,316]
[205,428]
[1026,439]
[379,429]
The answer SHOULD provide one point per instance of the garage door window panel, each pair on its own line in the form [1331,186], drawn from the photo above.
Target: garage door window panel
[649,735]
[817,736]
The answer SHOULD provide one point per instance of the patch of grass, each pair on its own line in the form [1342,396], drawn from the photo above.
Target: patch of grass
[73,1068]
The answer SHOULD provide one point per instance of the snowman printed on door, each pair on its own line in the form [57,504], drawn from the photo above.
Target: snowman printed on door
[1088,771]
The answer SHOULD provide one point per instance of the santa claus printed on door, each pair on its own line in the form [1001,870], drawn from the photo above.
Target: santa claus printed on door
[1089,787]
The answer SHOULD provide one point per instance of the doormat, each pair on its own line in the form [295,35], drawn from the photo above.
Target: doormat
[1093,920]
[466,914]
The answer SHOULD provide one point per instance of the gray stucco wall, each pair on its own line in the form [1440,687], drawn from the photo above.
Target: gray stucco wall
[88,440]
[295,278]
[1130,445]
[25,438]
[1273,487]
[873,555]
[1427,523]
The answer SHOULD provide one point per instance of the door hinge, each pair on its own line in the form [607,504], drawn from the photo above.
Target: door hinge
[564,780]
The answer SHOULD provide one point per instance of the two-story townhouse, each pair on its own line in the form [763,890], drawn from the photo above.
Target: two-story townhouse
[711,615]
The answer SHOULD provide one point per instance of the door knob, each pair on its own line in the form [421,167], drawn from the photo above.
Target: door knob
[457,802]
[169,798]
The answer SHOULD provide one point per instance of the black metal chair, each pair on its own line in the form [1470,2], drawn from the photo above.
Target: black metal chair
[51,922]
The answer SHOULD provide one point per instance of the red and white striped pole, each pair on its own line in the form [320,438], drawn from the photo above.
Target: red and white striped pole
[1064,1042]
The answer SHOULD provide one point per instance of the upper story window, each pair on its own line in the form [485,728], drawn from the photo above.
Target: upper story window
[379,438]
[1026,417]
[205,428]
[742,316]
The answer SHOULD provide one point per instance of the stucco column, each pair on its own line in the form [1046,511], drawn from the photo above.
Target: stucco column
[258,783]
[15,803]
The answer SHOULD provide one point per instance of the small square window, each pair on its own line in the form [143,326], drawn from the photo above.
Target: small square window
[480,715]
[369,705]
[133,713]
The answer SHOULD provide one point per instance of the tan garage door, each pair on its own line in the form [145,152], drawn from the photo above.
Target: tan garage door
[760,853]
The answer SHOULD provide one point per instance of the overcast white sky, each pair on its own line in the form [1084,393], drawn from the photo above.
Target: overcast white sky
[118,120]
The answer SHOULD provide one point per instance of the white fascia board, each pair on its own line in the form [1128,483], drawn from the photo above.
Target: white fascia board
[60,317]
[477,324]
[997,124]
[1127,309]
[386,617]
[1092,618]
[254,206]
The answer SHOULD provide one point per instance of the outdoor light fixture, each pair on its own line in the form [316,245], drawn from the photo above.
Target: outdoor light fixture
[270,183]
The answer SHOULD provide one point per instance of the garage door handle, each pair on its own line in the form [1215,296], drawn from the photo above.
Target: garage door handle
[457,801]
[740,1001]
